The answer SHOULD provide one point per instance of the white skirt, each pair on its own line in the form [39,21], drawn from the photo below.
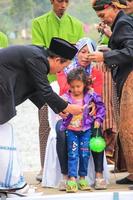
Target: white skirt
[10,173]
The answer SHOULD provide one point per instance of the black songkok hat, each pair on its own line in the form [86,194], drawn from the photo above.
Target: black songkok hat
[62,48]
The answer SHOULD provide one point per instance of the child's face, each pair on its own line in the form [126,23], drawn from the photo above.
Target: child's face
[83,58]
[77,87]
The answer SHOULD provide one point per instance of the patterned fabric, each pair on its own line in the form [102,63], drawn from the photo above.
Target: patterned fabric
[43,131]
[126,122]
[116,105]
[110,127]
[108,97]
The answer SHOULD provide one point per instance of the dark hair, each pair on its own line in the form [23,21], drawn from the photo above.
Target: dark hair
[53,55]
[77,74]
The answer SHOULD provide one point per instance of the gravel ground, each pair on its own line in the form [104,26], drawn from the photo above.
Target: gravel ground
[25,125]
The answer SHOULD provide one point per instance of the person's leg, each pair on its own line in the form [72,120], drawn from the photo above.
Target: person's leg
[73,153]
[73,157]
[61,147]
[84,152]
[44,130]
[84,155]
[100,183]
[98,163]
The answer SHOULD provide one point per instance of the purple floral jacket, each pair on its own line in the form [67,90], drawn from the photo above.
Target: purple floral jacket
[88,120]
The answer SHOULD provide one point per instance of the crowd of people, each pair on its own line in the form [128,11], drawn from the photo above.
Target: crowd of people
[95,92]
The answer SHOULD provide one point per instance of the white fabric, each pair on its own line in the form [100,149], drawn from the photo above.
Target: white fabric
[10,174]
[52,173]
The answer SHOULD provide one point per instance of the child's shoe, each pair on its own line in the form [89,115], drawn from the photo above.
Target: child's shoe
[83,185]
[100,184]
[71,186]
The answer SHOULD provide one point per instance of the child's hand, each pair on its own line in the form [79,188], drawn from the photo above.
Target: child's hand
[92,106]
[96,124]
[91,89]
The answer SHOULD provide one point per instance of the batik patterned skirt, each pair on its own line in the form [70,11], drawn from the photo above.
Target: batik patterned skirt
[126,122]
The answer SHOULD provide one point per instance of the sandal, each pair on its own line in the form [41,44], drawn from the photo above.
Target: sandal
[71,186]
[83,185]
[100,184]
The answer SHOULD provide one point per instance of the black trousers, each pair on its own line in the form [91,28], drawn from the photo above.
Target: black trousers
[61,147]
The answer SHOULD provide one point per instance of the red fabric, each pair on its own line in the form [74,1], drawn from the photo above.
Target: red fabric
[97,83]
[62,81]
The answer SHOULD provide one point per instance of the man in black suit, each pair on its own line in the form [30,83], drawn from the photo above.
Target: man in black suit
[120,60]
[23,75]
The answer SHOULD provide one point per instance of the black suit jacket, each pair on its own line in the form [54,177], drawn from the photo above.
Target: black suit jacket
[23,75]
[120,58]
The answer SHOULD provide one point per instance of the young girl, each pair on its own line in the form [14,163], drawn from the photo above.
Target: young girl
[84,46]
[78,128]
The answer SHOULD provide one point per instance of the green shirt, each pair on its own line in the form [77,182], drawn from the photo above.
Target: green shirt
[49,25]
[3,40]
[104,40]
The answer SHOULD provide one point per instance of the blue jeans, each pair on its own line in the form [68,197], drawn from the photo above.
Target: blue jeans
[78,152]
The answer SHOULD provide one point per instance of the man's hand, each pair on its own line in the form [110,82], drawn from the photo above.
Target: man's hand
[104,29]
[63,115]
[96,56]
[73,109]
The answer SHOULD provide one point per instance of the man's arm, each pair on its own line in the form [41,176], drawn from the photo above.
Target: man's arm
[37,35]
[124,41]
[3,40]
[81,31]
[44,94]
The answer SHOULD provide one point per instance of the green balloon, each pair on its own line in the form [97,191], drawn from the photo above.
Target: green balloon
[97,144]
